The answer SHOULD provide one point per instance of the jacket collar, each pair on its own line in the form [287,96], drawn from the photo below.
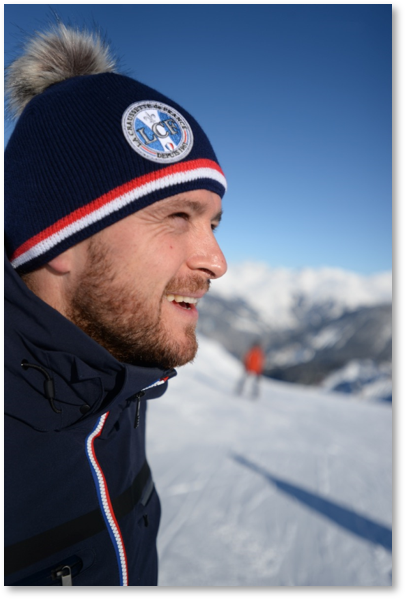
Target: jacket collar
[87,379]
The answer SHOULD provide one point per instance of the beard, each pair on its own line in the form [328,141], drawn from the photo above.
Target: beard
[118,317]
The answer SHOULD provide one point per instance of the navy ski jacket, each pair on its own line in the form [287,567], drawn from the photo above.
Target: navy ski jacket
[80,503]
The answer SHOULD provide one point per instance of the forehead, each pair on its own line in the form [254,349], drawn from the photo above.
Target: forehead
[199,205]
[198,202]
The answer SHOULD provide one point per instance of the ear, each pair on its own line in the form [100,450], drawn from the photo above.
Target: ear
[62,264]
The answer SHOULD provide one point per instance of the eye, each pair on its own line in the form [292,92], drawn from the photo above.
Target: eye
[182,215]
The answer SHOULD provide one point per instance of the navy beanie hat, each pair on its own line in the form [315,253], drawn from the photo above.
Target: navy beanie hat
[89,150]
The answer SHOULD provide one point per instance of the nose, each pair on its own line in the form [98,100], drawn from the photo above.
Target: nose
[207,257]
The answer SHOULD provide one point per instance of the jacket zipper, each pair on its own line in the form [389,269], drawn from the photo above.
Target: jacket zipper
[137,396]
[105,502]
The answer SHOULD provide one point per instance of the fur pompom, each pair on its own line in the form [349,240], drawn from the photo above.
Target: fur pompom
[51,57]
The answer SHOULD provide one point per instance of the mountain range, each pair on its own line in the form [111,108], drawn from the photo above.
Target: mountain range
[311,322]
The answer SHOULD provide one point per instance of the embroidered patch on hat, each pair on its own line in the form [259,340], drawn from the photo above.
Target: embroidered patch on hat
[157,131]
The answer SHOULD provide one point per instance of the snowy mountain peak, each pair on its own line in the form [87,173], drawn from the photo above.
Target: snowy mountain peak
[282,296]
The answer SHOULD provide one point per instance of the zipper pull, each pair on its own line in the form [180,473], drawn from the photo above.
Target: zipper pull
[65,574]
[138,408]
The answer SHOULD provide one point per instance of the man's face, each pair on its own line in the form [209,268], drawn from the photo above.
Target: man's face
[142,276]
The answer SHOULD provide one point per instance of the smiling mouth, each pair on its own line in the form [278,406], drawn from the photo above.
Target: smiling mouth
[184,301]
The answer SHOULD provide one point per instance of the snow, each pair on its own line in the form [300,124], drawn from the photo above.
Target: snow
[364,379]
[327,337]
[274,292]
[289,355]
[292,489]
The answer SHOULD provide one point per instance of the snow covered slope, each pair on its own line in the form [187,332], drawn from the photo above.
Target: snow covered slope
[293,489]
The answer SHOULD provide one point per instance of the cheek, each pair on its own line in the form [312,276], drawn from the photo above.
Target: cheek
[153,266]
[162,267]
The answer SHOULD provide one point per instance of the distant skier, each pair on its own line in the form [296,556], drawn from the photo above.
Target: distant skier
[253,363]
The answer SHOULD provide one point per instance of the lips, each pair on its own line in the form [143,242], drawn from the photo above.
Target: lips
[186,292]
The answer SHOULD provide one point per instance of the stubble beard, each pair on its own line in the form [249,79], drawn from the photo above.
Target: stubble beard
[119,319]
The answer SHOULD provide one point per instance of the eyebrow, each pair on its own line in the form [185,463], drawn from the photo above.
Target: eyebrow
[196,207]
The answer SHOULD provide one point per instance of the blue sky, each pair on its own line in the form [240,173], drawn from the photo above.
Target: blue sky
[296,100]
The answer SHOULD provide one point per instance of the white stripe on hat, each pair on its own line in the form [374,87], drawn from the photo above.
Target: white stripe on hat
[115,205]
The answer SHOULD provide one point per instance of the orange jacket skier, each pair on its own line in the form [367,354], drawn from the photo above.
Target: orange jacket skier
[254,363]
[254,360]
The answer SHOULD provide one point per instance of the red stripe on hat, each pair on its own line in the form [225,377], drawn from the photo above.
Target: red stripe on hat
[108,197]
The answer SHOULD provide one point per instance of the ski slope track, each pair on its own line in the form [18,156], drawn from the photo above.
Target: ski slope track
[291,489]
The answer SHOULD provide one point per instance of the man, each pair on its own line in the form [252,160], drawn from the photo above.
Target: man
[112,195]
[253,362]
